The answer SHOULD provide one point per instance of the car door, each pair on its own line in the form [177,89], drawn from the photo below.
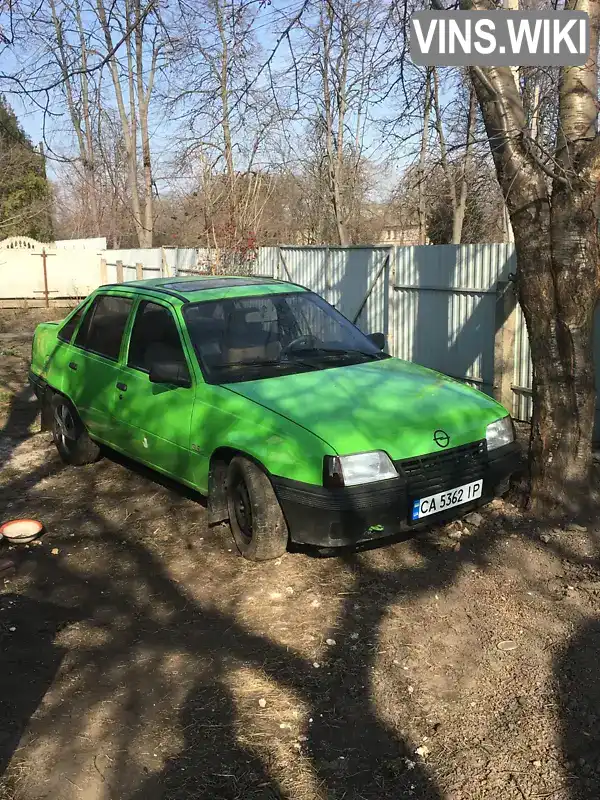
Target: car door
[155,418]
[55,365]
[92,365]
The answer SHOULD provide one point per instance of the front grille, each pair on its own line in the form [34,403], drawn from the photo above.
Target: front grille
[438,472]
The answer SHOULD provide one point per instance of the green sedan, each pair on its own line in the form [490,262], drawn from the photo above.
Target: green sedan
[260,395]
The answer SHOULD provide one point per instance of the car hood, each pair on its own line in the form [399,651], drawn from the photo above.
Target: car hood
[389,405]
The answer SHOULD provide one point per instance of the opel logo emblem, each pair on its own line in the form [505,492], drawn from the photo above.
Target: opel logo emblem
[441,438]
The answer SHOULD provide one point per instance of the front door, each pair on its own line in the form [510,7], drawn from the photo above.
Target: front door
[155,418]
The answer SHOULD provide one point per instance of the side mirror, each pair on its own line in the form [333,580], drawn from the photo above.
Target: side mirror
[172,372]
[378,340]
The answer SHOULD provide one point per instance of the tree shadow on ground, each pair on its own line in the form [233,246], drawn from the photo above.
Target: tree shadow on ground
[127,590]
[351,751]
[143,616]
[578,689]
[21,415]
[29,661]
[213,765]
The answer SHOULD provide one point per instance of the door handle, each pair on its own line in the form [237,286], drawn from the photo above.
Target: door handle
[72,365]
[122,387]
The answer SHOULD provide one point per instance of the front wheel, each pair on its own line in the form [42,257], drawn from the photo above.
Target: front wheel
[255,517]
[70,436]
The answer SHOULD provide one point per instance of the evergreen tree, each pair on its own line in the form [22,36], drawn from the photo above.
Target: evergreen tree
[25,197]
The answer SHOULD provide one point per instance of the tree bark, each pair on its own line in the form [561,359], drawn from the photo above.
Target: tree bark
[556,240]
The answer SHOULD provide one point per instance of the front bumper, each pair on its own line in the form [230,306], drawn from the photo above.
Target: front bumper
[357,514]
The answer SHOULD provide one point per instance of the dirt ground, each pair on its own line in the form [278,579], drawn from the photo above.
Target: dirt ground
[141,657]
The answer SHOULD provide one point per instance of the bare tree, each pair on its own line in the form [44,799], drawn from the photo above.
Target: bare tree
[458,216]
[143,48]
[453,175]
[427,96]
[226,118]
[76,89]
[339,69]
[113,201]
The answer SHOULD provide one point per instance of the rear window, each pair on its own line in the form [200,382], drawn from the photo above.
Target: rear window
[65,334]
[103,326]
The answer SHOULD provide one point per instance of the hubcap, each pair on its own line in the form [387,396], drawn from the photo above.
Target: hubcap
[242,508]
[64,425]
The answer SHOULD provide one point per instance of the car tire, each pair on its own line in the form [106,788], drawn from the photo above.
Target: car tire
[255,517]
[69,434]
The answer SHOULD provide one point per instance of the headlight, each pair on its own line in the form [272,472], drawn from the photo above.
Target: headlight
[499,433]
[359,468]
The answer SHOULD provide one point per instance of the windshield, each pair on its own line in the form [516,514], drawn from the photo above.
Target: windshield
[246,338]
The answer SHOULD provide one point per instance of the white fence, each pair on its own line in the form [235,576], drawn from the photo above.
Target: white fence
[31,270]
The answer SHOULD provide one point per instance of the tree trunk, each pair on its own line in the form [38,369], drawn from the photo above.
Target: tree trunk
[447,170]
[559,316]
[128,126]
[226,124]
[334,144]
[422,159]
[556,240]
[143,98]
[458,219]
[90,163]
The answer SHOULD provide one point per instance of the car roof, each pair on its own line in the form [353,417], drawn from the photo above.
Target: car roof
[196,288]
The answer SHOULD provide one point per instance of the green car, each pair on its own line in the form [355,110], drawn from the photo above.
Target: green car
[260,395]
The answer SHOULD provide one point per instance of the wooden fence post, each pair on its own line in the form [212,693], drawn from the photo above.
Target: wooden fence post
[504,343]
[139,272]
[119,272]
[103,272]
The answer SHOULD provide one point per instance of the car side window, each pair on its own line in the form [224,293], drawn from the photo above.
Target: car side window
[103,325]
[65,334]
[154,337]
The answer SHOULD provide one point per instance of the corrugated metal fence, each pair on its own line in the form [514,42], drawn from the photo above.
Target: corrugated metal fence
[438,305]
[444,307]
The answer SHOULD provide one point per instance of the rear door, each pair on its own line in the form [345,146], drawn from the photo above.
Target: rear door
[155,419]
[52,361]
[91,370]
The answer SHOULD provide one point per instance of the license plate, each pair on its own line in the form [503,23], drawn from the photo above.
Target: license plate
[442,501]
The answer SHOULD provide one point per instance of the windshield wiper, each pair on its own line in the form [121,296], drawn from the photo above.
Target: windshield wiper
[339,351]
[258,362]
[254,362]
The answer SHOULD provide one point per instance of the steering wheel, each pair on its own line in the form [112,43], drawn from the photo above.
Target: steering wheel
[301,343]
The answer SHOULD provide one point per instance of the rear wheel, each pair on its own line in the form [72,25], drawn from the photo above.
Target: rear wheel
[70,436]
[257,522]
